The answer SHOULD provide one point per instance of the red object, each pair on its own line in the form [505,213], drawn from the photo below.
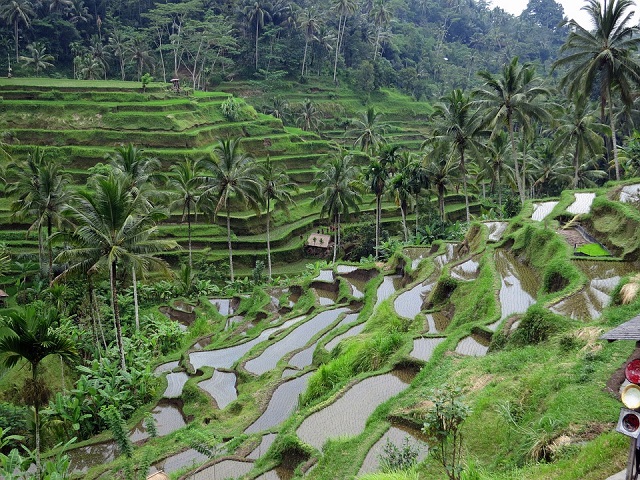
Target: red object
[631,422]
[632,371]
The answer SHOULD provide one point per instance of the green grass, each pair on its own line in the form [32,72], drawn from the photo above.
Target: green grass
[592,250]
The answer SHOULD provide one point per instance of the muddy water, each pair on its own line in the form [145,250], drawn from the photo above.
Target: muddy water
[496,230]
[416,254]
[226,357]
[353,331]
[188,458]
[326,297]
[82,459]
[474,345]
[397,435]
[223,305]
[298,338]
[342,269]
[325,276]
[519,285]
[437,322]
[541,210]
[168,419]
[466,271]
[223,470]
[347,416]
[283,403]
[409,303]
[357,286]
[446,257]
[266,442]
[222,387]
[582,203]
[175,384]
[423,347]
[602,278]
[390,285]
[630,193]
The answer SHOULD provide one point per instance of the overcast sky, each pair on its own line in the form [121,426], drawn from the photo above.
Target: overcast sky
[571,8]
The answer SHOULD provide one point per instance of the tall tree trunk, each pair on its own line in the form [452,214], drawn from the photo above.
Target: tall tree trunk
[517,165]
[464,186]
[268,235]
[576,167]
[116,314]
[41,260]
[15,38]
[229,244]
[304,57]
[189,232]
[614,143]
[36,408]
[136,309]
[338,44]
[417,212]
[499,192]
[49,249]
[403,213]
[257,31]
[377,226]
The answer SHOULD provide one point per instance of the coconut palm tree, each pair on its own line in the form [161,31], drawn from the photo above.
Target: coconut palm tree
[440,168]
[381,16]
[40,189]
[579,129]
[142,171]
[257,14]
[458,123]
[369,131]
[310,26]
[513,97]
[495,163]
[231,174]
[275,189]
[39,58]
[377,174]
[343,8]
[112,228]
[33,335]
[337,191]
[16,12]
[185,180]
[308,116]
[402,186]
[603,58]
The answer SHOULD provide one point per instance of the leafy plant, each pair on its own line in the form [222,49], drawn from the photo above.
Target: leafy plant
[394,458]
[231,109]
[592,250]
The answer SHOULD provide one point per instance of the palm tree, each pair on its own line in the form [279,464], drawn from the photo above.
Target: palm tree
[602,58]
[310,26]
[495,163]
[579,128]
[119,47]
[440,168]
[185,181]
[275,188]
[343,8]
[256,13]
[140,55]
[337,191]
[377,175]
[402,186]
[513,97]
[112,227]
[39,59]
[141,170]
[369,131]
[16,12]
[32,336]
[40,188]
[381,16]
[232,174]
[458,123]
[308,116]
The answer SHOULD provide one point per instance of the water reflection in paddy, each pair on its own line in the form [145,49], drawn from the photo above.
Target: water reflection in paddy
[602,278]
[226,357]
[630,193]
[423,347]
[409,303]
[188,458]
[223,470]
[349,333]
[326,297]
[474,345]
[437,322]
[496,230]
[466,271]
[222,388]
[347,416]
[582,203]
[325,276]
[304,358]
[223,305]
[167,417]
[346,269]
[298,338]
[265,442]
[416,254]
[283,403]
[82,459]
[390,285]
[519,285]
[175,384]
[541,210]
[397,435]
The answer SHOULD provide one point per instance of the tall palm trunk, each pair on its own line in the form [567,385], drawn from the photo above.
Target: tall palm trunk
[464,185]
[15,39]
[304,57]
[268,235]
[338,44]
[36,408]
[136,309]
[50,249]
[515,160]
[257,31]
[116,314]
[189,232]
[614,143]
[499,191]
[417,211]
[229,243]
[403,213]
[378,214]
[443,214]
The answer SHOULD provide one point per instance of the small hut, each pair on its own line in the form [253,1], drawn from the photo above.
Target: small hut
[176,84]
[3,298]
[158,476]
[318,245]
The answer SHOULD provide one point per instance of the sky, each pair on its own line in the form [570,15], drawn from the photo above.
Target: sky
[571,8]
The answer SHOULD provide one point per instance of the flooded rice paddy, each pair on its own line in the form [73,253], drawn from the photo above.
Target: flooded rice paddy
[175,383]
[416,254]
[408,304]
[630,193]
[223,305]
[496,230]
[265,443]
[588,302]
[325,276]
[222,388]
[541,210]
[397,435]
[283,403]
[303,358]
[436,322]
[167,417]
[223,470]
[390,285]
[353,331]
[466,271]
[188,458]
[423,347]
[582,204]
[344,269]
[348,414]
[82,459]
[298,338]
[475,345]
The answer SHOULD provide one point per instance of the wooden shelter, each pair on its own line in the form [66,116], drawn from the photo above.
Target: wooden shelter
[3,298]
[318,245]
[627,331]
[158,476]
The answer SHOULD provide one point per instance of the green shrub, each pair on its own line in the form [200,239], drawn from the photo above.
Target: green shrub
[536,326]
[592,250]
